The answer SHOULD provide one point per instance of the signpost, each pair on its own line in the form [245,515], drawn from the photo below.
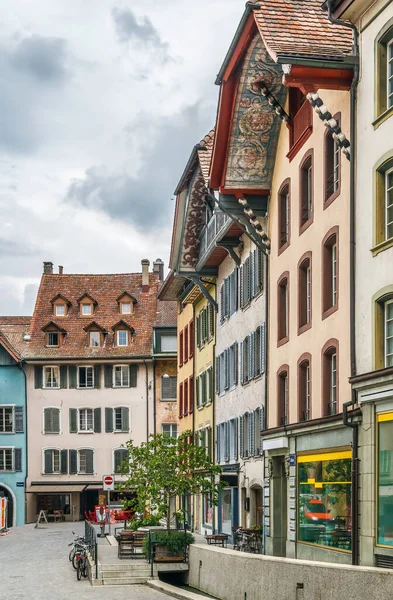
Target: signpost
[108,484]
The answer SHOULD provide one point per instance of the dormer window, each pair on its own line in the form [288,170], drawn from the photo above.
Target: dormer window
[95,340]
[60,305]
[87,305]
[52,338]
[122,333]
[126,303]
[95,335]
[122,337]
[60,310]
[87,309]
[125,308]
[54,335]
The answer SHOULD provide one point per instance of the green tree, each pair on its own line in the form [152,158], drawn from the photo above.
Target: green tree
[165,468]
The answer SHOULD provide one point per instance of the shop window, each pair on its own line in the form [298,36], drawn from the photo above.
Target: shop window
[283,396]
[332,166]
[304,297]
[324,500]
[330,378]
[385,70]
[385,480]
[330,273]
[306,195]
[283,309]
[284,216]
[304,388]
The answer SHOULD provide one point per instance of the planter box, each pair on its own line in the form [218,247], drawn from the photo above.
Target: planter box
[164,554]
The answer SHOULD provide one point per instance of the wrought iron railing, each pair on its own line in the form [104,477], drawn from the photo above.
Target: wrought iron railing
[211,231]
[91,542]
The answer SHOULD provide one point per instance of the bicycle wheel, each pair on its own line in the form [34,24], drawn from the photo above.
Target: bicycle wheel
[75,560]
[85,569]
[79,571]
[71,554]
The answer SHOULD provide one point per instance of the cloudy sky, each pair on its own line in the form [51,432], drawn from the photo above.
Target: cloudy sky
[101,103]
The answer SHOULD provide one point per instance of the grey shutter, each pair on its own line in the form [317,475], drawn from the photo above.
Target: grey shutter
[242,363]
[97,420]
[72,376]
[211,321]
[218,454]
[133,375]
[260,266]
[48,420]
[236,438]
[226,295]
[226,442]
[210,384]
[18,459]
[18,411]
[55,420]
[108,420]
[89,462]
[262,348]
[37,377]
[97,376]
[226,369]
[222,372]
[217,375]
[241,427]
[248,275]
[63,377]
[108,379]
[222,317]
[73,420]
[252,275]
[251,355]
[241,285]
[251,434]
[48,464]
[64,462]
[261,426]
[197,391]
[236,362]
[73,462]
[125,419]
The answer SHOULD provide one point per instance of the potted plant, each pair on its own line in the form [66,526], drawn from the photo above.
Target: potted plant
[168,546]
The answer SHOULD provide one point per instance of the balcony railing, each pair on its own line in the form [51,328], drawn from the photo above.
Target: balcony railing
[211,232]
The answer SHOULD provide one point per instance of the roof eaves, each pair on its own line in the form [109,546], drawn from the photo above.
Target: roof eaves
[347,62]
[9,347]
[188,169]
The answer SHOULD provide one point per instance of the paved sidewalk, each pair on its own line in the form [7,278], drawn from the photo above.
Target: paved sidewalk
[34,565]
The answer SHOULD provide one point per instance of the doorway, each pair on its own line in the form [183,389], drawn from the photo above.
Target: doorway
[279,506]
[6,493]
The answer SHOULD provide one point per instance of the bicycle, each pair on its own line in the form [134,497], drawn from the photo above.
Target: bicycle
[81,562]
[78,541]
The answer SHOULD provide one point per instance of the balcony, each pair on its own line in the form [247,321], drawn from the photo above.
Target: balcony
[213,232]
[300,128]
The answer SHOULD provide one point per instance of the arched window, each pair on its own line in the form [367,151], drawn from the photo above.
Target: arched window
[384,69]
[332,166]
[330,272]
[304,292]
[283,308]
[304,387]
[284,216]
[330,378]
[306,192]
[283,395]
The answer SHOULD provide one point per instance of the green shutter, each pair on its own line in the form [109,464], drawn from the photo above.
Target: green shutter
[210,384]
[241,432]
[63,377]
[72,376]
[47,420]
[218,457]
[108,380]
[241,285]
[18,459]
[197,390]
[108,420]
[125,419]
[133,375]
[211,321]
[64,462]
[222,315]
[73,462]
[48,463]
[198,331]
[97,420]
[217,375]
[97,376]
[73,420]
[18,411]
[89,462]
[55,416]
[37,377]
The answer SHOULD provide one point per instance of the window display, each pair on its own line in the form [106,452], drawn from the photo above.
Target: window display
[324,499]
[385,479]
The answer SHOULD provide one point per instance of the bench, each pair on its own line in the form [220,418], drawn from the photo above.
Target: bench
[217,539]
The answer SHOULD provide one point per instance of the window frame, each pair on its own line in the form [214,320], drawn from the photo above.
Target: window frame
[387,302]
[114,450]
[283,396]
[50,387]
[10,449]
[122,430]
[53,450]
[383,42]
[172,399]
[305,292]
[122,367]
[306,188]
[122,311]
[52,333]
[121,331]
[85,387]
[4,407]
[330,355]
[283,328]
[78,451]
[284,195]
[94,331]
[171,426]
[304,388]
[330,276]
[82,411]
[63,306]
[332,152]
[85,305]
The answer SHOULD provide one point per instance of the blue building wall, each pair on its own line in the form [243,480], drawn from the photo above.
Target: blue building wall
[12,393]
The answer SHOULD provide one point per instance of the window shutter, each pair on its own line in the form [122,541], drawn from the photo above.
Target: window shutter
[262,348]
[197,391]
[252,275]
[55,418]
[47,420]
[125,419]
[108,377]
[204,387]
[218,453]
[226,442]
[226,368]
[18,411]
[64,462]
[198,331]
[133,375]
[251,352]
[97,420]
[261,426]
[89,461]
[211,321]
[241,427]
[217,375]
[63,377]
[73,420]
[236,364]
[108,420]
[233,290]
[48,462]
[222,317]
[97,376]
[248,276]
[73,462]
[37,377]
[226,295]
[236,439]
[241,285]
[242,363]
[18,460]
[260,266]
[118,456]
[210,384]
[72,376]
[222,372]
[251,434]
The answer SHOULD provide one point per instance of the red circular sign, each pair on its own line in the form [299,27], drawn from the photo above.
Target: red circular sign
[108,480]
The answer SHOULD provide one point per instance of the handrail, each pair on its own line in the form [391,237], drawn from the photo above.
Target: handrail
[91,542]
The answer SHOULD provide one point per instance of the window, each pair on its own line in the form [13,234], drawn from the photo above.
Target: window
[283,309]
[6,459]
[244,361]
[233,365]
[284,216]
[205,325]
[304,388]
[181,348]
[125,308]
[388,333]
[52,461]
[330,377]
[389,74]
[229,296]
[191,394]
[301,114]
[389,203]
[168,342]
[324,499]
[185,398]
[6,419]
[169,430]
[385,479]
[122,337]
[283,396]
[51,420]
[385,70]
[51,377]
[306,191]
[85,420]
[53,338]
[181,407]
[251,277]
[121,419]
[186,344]
[85,377]
[168,388]
[330,272]
[332,166]
[192,341]
[59,310]
[121,376]
[94,337]
[119,455]
[87,309]
[304,298]
[204,388]
[85,462]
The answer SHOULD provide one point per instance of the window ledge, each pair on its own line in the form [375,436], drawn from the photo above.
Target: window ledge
[51,388]
[382,117]
[282,341]
[283,247]
[8,432]
[304,328]
[382,246]
[306,225]
[82,432]
[329,311]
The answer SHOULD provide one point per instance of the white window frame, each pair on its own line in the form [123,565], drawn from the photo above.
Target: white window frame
[125,312]
[53,449]
[122,367]
[43,420]
[115,430]
[79,414]
[86,387]
[99,340]
[86,305]
[334,273]
[387,205]
[12,449]
[50,387]
[78,451]
[48,333]
[171,426]
[118,332]
[60,314]
[389,76]
[12,407]
[387,357]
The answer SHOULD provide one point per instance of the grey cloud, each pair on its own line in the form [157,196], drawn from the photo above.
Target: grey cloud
[144,200]
[129,29]
[12,304]
[12,248]
[43,57]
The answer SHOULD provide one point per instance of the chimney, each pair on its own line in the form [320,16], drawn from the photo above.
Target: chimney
[48,268]
[145,274]
[60,269]
[158,267]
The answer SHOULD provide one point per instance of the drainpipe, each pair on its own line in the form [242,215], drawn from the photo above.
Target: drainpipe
[266,390]
[147,399]
[154,399]
[351,403]
[20,366]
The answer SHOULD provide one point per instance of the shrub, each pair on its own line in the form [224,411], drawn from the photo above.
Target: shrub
[175,541]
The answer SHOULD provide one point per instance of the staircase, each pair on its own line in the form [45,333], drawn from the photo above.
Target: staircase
[124,574]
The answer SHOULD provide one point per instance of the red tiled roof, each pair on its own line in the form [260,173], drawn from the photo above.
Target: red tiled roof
[205,156]
[105,289]
[166,315]
[301,28]
[12,330]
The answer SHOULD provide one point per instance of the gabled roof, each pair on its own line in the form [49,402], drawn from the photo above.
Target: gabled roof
[12,331]
[94,325]
[126,294]
[120,324]
[86,295]
[62,297]
[53,324]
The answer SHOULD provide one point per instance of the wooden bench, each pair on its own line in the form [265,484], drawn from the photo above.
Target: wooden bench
[217,539]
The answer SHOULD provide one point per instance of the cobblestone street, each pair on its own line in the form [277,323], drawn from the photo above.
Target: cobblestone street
[35,566]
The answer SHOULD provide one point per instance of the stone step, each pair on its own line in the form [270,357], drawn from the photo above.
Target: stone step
[126,581]
[122,574]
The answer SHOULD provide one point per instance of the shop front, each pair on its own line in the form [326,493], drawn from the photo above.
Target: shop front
[60,502]
[228,504]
